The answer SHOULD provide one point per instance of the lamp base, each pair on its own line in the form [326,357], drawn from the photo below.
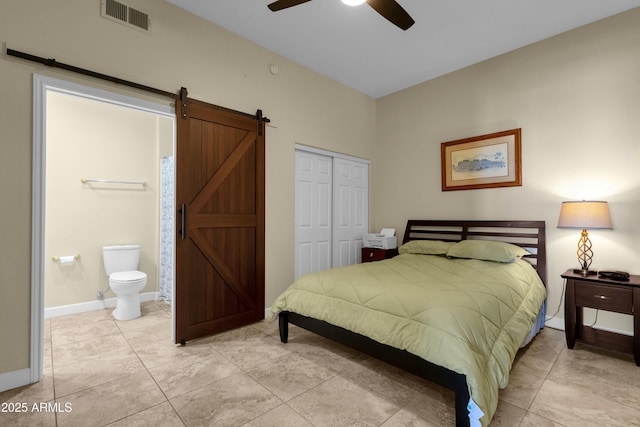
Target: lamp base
[584,272]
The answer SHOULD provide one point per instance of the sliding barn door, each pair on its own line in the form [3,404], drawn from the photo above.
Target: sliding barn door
[220,202]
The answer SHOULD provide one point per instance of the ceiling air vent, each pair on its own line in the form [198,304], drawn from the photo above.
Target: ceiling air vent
[124,14]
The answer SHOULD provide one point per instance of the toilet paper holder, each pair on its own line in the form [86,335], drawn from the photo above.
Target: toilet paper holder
[68,258]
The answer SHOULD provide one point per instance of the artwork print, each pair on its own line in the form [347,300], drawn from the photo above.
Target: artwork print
[485,161]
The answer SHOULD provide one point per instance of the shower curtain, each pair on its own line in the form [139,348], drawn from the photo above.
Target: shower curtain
[167,210]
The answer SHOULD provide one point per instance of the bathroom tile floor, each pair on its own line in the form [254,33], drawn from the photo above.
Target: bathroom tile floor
[100,371]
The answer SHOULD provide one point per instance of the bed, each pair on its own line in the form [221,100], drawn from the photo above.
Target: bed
[473,288]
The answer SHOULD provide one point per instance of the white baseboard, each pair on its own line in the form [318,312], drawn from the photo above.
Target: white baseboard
[13,379]
[83,307]
[555,323]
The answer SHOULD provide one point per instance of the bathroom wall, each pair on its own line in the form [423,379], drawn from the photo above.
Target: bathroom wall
[96,140]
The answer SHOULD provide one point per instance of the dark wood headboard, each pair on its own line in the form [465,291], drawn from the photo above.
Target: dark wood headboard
[527,234]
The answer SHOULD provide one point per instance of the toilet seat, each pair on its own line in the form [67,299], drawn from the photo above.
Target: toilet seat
[127,277]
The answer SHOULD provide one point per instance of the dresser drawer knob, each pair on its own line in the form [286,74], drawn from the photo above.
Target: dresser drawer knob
[370,254]
[601,296]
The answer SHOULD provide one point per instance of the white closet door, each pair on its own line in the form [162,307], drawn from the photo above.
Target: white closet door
[313,204]
[351,210]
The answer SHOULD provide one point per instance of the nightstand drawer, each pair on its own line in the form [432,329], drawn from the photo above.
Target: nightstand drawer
[376,254]
[604,297]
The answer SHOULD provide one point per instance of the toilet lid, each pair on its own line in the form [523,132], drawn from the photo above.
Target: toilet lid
[127,276]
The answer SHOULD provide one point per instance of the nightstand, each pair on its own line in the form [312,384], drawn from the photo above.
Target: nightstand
[602,294]
[377,254]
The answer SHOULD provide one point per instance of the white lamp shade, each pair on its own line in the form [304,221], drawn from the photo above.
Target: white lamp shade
[584,214]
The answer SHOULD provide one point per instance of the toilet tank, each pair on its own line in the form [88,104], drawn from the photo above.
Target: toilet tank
[120,258]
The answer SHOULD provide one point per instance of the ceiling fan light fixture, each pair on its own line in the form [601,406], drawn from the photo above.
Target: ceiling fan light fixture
[389,9]
[353,2]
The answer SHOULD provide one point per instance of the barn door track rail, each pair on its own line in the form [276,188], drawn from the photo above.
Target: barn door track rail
[181,94]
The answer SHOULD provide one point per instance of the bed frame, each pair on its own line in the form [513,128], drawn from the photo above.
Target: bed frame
[527,234]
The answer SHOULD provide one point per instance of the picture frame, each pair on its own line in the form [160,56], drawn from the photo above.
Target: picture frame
[485,161]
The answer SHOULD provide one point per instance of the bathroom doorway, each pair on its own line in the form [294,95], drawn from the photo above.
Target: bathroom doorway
[97,180]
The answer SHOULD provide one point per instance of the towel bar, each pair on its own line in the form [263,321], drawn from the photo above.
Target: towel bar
[109,181]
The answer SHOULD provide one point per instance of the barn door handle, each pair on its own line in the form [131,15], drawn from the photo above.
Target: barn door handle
[183,216]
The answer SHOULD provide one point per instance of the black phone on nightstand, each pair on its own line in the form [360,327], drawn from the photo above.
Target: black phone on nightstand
[614,275]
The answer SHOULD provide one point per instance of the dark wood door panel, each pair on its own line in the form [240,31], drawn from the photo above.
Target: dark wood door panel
[220,253]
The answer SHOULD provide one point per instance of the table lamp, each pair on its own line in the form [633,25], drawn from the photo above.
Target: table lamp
[585,215]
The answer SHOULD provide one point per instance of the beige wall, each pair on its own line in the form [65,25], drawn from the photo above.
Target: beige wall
[181,50]
[91,139]
[577,99]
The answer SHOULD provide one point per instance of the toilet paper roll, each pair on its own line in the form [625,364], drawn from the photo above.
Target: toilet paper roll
[67,259]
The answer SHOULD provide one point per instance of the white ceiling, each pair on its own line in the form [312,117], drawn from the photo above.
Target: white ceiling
[359,48]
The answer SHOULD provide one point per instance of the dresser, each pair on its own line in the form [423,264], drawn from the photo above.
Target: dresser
[602,294]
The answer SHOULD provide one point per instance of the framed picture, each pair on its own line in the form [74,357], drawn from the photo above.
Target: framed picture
[486,161]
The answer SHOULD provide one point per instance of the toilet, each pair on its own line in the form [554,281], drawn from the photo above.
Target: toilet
[120,264]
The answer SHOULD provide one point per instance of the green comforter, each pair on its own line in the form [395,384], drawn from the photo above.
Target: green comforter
[467,315]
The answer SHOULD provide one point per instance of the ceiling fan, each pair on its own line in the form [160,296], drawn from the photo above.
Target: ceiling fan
[390,9]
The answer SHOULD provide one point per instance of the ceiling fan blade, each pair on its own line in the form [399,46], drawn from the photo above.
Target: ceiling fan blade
[391,10]
[283,4]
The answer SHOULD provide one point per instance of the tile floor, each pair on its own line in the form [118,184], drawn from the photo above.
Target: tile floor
[99,371]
